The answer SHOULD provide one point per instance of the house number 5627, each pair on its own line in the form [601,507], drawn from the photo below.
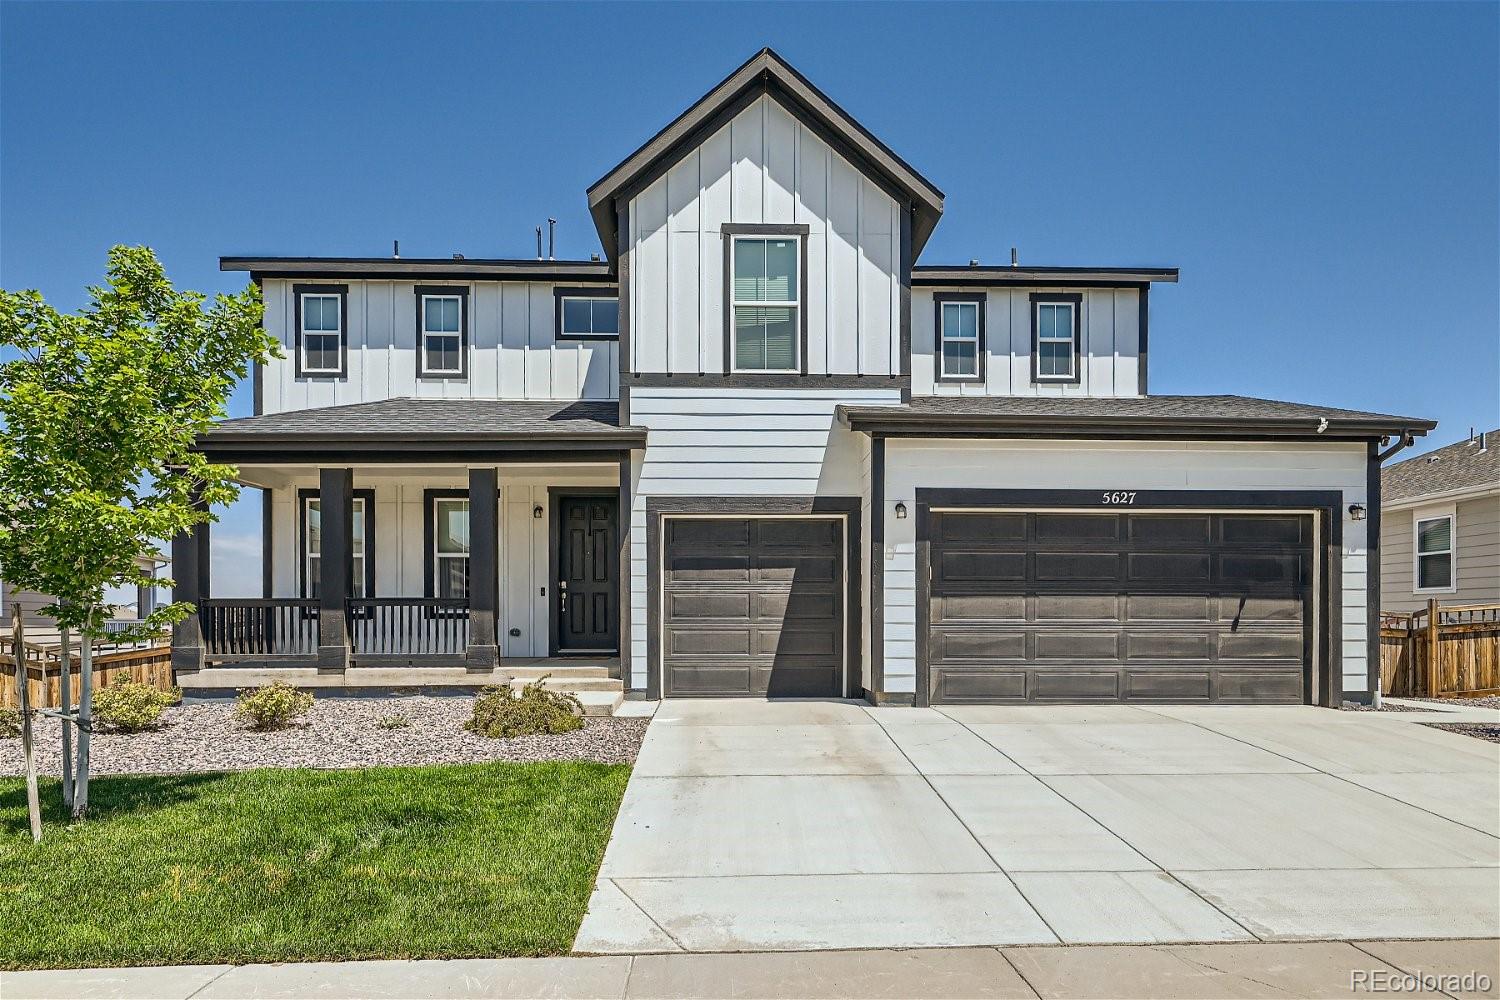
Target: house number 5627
[1118,498]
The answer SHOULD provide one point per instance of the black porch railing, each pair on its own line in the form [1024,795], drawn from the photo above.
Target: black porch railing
[259,627]
[409,626]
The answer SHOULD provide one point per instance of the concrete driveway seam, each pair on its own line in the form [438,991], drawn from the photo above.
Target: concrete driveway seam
[647,914]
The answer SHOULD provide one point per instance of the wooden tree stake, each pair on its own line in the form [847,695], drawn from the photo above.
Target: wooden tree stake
[23,693]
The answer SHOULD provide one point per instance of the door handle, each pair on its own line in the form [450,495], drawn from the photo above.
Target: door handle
[562,591]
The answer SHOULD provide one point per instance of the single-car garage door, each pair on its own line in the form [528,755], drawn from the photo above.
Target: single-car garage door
[752,606]
[1169,607]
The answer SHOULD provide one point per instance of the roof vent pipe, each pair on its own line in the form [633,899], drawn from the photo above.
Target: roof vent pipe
[1014,259]
[551,238]
[538,242]
[396,249]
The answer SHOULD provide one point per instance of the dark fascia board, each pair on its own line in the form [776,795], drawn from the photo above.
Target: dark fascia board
[261,440]
[422,269]
[894,423]
[944,275]
[765,71]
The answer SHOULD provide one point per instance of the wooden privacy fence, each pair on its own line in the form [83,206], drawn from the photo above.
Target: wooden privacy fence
[1439,652]
[147,662]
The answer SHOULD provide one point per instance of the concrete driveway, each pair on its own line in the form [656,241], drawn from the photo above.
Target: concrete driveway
[753,825]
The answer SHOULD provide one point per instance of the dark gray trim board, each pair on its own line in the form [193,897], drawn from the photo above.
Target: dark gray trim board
[1056,298]
[623,262]
[303,495]
[342,291]
[268,450]
[877,566]
[564,292]
[627,519]
[1324,687]
[421,269]
[752,380]
[429,536]
[904,276]
[751,506]
[1372,568]
[728,233]
[462,293]
[1093,277]
[1143,317]
[267,550]
[554,561]
[483,648]
[979,299]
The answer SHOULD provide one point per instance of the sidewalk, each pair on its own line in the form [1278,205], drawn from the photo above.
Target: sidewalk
[1164,972]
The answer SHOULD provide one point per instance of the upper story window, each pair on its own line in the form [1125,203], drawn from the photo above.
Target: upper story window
[764,295]
[448,544]
[959,331]
[585,314]
[1434,552]
[322,337]
[1055,340]
[361,543]
[442,323]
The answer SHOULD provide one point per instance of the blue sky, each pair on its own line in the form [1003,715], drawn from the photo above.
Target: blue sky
[1327,177]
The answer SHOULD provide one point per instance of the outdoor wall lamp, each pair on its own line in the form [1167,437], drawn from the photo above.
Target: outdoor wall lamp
[1356,512]
[900,511]
[536,512]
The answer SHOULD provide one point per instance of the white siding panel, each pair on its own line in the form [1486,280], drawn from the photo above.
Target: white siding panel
[747,174]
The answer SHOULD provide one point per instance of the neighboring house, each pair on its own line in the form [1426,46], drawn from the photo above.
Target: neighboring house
[40,625]
[1440,526]
[758,450]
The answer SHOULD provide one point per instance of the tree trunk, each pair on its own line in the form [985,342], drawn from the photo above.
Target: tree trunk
[65,699]
[23,692]
[85,724]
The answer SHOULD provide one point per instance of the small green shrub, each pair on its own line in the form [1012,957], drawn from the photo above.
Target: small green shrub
[501,714]
[10,723]
[273,706]
[127,706]
[394,722]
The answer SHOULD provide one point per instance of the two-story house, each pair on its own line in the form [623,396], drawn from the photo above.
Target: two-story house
[758,450]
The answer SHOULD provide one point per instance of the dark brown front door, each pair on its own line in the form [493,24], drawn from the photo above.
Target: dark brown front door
[588,563]
[1168,607]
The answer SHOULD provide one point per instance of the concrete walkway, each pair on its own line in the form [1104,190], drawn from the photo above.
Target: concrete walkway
[779,826]
[1200,972]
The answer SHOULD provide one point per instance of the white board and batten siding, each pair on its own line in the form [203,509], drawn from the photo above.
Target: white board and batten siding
[513,350]
[765,167]
[1136,465]
[738,442]
[1109,355]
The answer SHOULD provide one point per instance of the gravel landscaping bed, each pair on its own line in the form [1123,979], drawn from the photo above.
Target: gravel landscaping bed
[1492,701]
[1478,730]
[1385,706]
[335,733]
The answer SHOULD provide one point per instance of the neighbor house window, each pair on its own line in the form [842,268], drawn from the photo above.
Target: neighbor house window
[361,543]
[960,337]
[1055,321]
[1434,551]
[765,302]
[442,322]
[449,551]
[583,314]
[321,333]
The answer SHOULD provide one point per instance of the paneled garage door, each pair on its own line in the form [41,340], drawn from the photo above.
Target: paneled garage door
[1169,607]
[752,606]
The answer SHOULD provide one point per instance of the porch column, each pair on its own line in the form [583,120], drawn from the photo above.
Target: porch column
[484,576]
[336,517]
[190,583]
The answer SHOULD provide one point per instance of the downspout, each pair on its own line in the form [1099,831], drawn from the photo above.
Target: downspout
[1372,555]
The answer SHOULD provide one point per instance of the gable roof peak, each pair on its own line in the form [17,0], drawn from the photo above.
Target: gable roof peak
[765,73]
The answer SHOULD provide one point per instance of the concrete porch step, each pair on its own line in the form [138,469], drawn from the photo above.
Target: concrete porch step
[600,703]
[531,673]
[571,683]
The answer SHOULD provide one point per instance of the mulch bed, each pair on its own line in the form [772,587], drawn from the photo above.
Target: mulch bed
[335,733]
[1478,730]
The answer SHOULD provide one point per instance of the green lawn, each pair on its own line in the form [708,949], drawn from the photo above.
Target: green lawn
[296,865]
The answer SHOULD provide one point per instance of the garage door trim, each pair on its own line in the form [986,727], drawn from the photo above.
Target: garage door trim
[846,509]
[1324,505]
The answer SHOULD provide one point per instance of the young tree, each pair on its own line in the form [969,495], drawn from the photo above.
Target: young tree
[100,411]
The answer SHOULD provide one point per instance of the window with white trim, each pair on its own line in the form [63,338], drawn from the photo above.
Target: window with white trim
[1056,333]
[321,351]
[312,547]
[442,335]
[766,302]
[450,547]
[959,340]
[1434,552]
[589,317]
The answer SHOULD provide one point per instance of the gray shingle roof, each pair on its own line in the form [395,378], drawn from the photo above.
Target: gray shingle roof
[434,419]
[1468,464]
[1131,412]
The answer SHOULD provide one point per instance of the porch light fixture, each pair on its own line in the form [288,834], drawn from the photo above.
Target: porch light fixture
[537,512]
[1356,512]
[900,511]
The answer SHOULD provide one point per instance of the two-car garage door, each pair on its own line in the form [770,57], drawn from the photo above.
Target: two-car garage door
[1075,606]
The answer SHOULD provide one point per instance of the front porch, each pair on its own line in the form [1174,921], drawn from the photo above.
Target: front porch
[401,562]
